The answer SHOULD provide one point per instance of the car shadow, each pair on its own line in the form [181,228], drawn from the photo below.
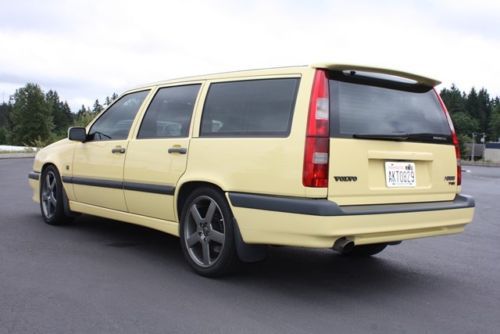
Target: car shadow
[307,273]
[130,238]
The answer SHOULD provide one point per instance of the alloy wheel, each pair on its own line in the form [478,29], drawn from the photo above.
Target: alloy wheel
[49,195]
[204,231]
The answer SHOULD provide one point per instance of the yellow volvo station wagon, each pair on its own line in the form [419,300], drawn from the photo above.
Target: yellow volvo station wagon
[347,157]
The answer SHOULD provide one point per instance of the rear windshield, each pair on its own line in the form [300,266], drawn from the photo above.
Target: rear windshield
[363,110]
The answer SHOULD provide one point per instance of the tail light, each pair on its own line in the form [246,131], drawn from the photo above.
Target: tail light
[316,159]
[454,139]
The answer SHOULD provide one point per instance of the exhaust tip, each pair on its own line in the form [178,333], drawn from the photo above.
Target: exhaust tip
[343,245]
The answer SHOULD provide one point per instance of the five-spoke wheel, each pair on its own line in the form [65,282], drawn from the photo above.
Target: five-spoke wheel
[207,233]
[51,197]
[204,229]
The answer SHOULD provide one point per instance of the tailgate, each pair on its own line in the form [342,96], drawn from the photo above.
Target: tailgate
[390,141]
[358,172]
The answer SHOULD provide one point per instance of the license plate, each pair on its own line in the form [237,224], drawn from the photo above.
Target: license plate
[400,174]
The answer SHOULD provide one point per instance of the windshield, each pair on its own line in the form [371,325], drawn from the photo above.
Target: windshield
[359,110]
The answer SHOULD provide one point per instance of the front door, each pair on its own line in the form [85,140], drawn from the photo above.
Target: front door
[98,163]
[157,158]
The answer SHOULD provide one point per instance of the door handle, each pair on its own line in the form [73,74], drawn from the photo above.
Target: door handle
[118,149]
[180,150]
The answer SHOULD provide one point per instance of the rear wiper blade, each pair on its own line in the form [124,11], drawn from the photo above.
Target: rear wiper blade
[381,136]
[430,136]
[402,136]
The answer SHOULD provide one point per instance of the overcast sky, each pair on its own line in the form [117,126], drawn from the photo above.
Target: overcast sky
[90,49]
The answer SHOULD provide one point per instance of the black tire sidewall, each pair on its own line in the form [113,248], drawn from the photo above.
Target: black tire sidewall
[228,258]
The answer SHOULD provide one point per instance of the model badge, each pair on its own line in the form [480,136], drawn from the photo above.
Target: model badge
[345,178]
[450,179]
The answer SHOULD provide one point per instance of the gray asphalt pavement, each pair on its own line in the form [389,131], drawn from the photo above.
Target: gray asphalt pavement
[101,276]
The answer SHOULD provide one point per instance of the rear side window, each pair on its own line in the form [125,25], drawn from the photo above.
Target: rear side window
[169,114]
[260,108]
[366,109]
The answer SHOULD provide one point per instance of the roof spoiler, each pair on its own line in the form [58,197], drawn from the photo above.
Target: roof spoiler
[346,67]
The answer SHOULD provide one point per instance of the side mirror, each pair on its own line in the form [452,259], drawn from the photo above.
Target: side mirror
[77,134]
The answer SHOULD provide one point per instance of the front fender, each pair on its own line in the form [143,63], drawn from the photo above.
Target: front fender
[59,154]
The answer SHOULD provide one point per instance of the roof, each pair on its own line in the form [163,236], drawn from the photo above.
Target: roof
[298,69]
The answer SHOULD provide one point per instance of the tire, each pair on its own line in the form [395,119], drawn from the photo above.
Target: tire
[52,197]
[366,250]
[207,233]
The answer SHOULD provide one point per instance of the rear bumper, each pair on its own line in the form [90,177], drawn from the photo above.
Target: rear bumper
[318,223]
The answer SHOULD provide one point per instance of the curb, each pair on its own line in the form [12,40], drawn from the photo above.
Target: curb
[16,155]
[480,163]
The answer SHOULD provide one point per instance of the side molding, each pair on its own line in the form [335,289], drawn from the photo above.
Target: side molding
[34,175]
[144,187]
[316,207]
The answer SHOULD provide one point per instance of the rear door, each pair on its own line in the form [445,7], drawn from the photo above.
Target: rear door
[390,142]
[157,157]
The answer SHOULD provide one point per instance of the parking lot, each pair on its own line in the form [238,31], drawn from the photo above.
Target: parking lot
[101,276]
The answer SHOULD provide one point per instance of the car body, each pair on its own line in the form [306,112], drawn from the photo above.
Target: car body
[327,155]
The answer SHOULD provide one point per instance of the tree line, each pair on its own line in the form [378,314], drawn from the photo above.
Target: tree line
[473,112]
[34,118]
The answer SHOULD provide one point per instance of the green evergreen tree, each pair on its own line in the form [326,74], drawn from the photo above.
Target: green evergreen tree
[61,112]
[472,104]
[31,116]
[84,116]
[495,102]
[453,99]
[97,107]
[81,111]
[484,109]
[494,129]
[464,124]
[456,103]
[5,109]
[3,136]
[5,123]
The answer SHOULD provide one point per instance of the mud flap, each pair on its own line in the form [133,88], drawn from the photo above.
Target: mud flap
[67,210]
[248,253]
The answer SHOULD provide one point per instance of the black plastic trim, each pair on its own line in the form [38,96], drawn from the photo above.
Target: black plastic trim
[34,175]
[143,187]
[149,188]
[317,207]
[323,207]
[460,202]
[248,253]
[93,182]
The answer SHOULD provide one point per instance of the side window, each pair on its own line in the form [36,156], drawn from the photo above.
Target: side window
[115,123]
[260,108]
[169,114]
